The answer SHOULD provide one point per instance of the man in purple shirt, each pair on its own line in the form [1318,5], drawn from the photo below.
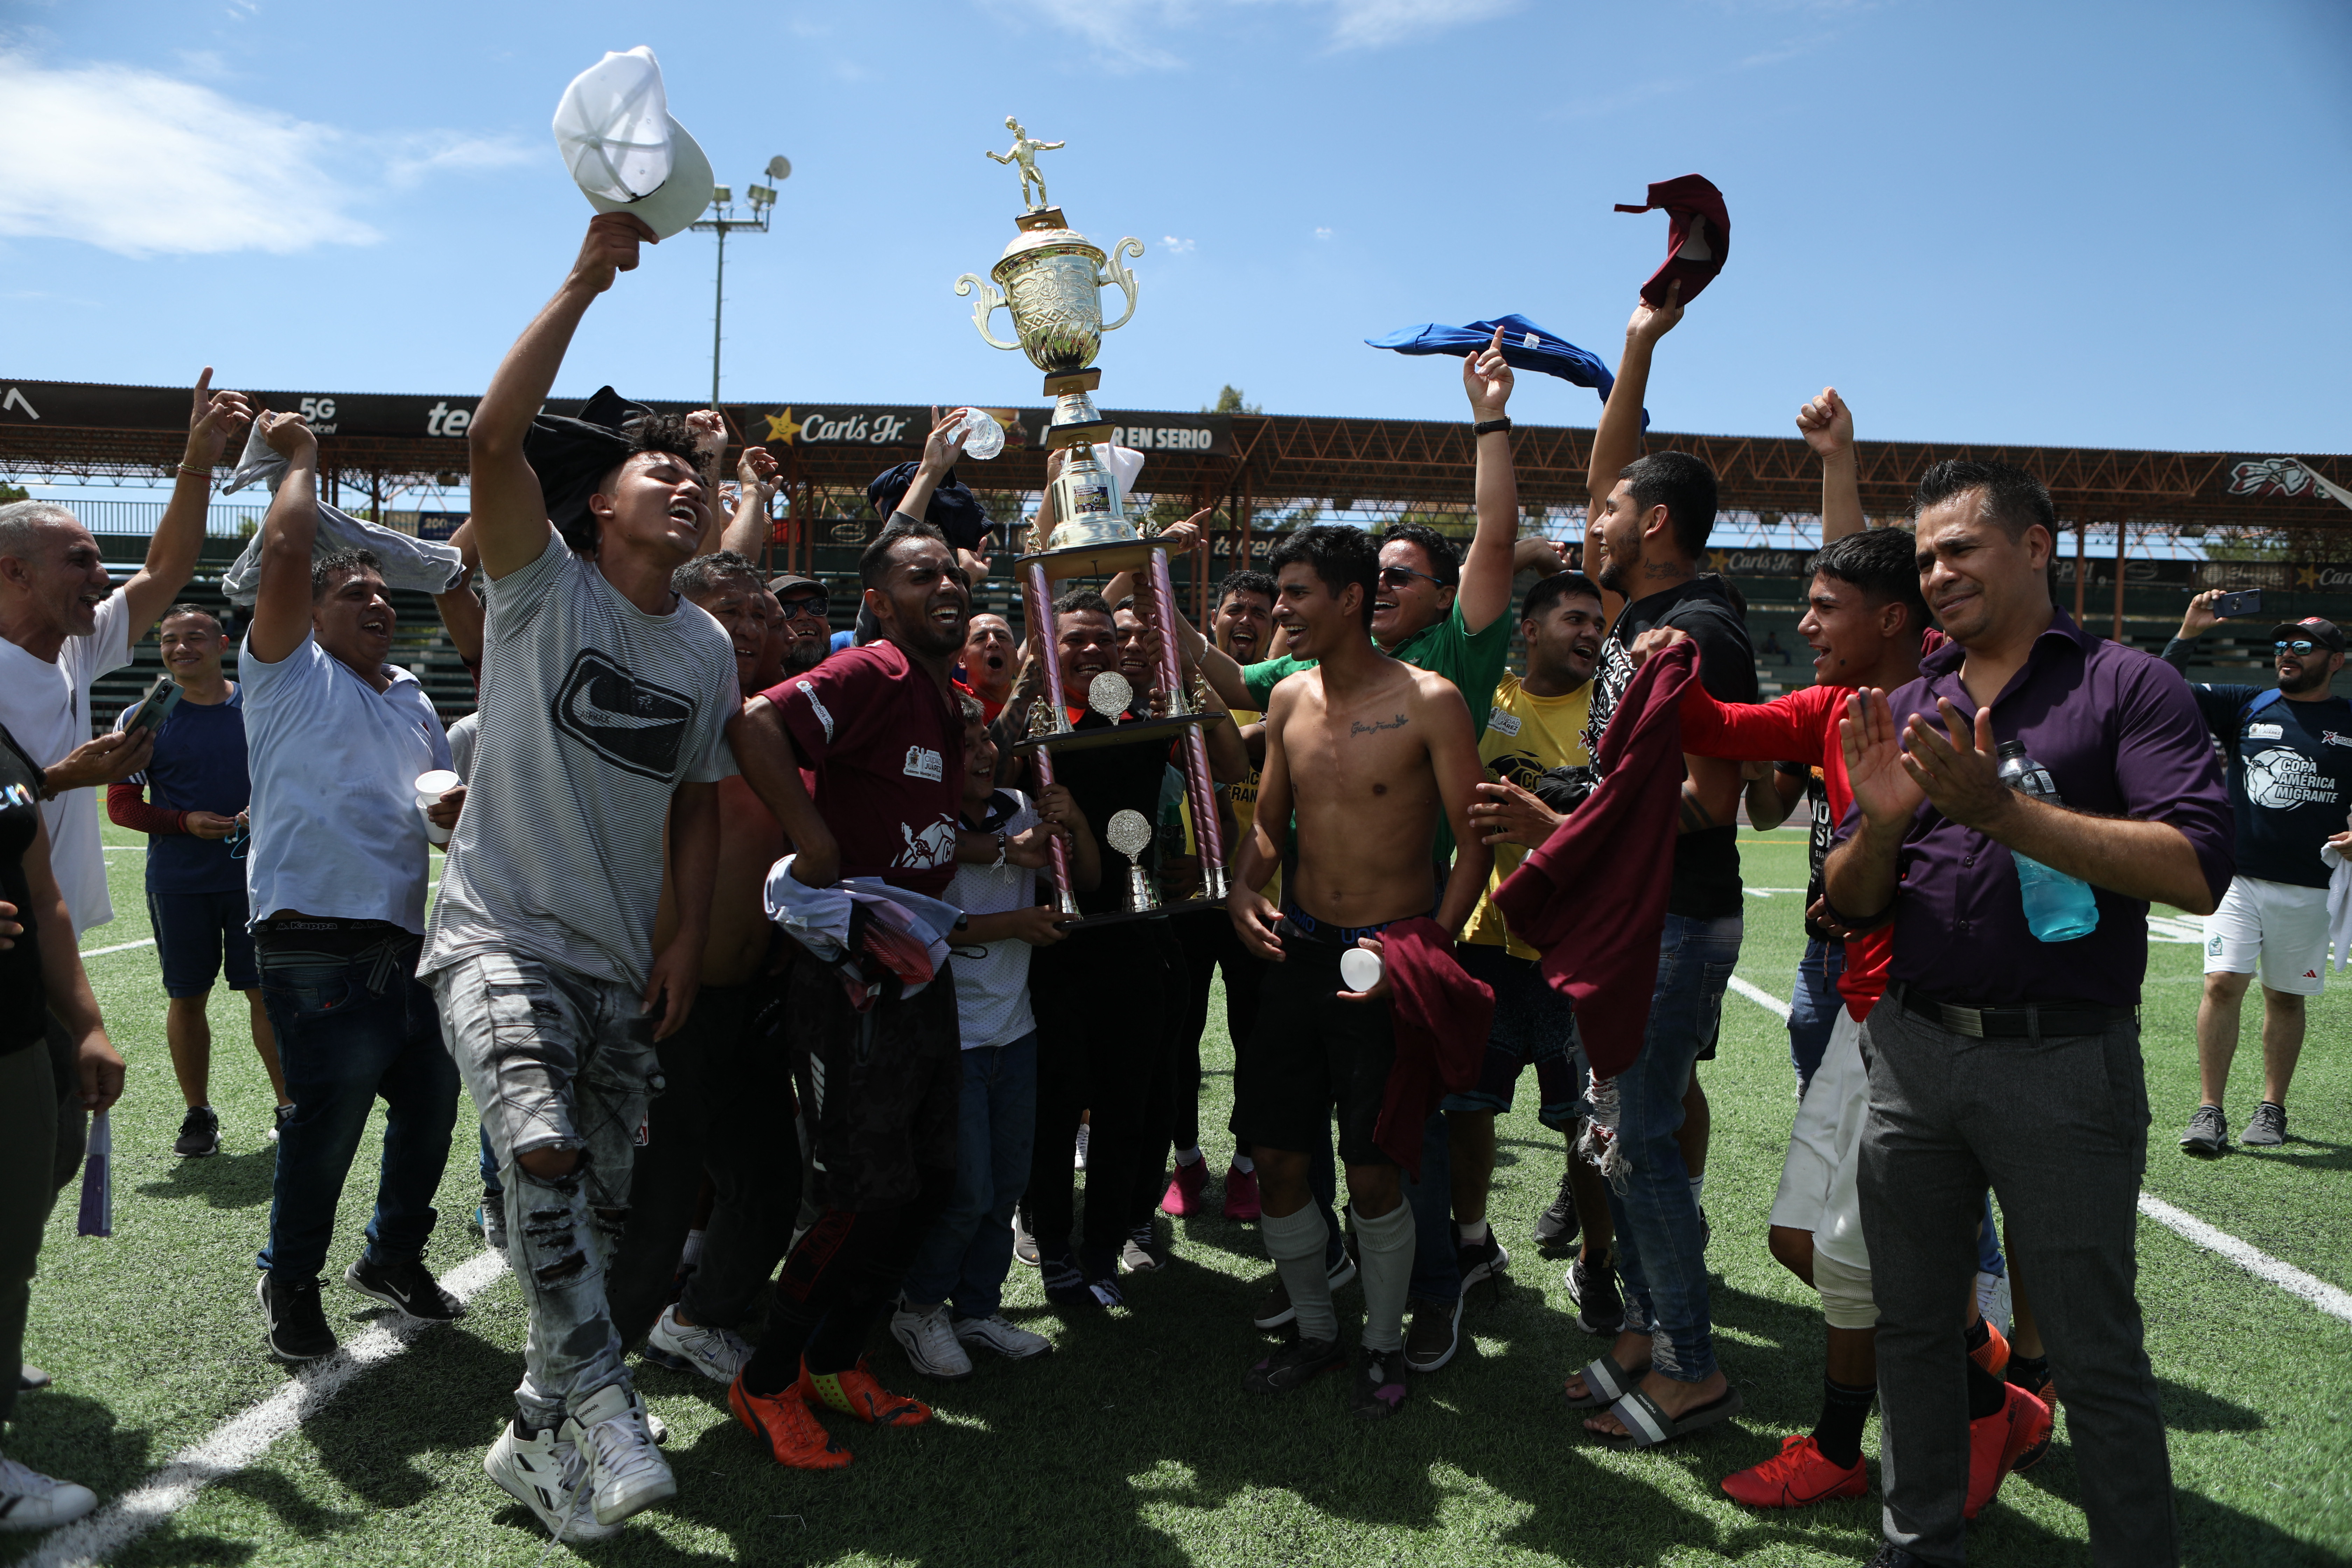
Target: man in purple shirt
[2000,1057]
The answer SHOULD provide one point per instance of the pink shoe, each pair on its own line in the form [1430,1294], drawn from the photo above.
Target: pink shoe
[1241,1194]
[1184,1189]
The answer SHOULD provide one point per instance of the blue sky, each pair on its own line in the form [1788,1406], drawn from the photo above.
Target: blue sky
[2105,224]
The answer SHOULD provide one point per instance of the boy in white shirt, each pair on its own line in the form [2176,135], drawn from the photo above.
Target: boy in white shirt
[957,1280]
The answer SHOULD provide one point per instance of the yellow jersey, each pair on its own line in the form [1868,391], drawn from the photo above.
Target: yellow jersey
[1526,737]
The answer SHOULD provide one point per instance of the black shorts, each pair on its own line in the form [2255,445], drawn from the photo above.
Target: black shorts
[1311,1054]
[879,1090]
[195,933]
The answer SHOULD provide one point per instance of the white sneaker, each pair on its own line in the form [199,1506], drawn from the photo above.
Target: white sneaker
[695,1347]
[993,1333]
[1078,1154]
[929,1341]
[31,1500]
[543,1474]
[623,1473]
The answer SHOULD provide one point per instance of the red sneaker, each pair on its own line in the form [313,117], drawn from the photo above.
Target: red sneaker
[1798,1475]
[855,1392]
[1993,1354]
[1241,1194]
[2014,1438]
[1184,1189]
[783,1423]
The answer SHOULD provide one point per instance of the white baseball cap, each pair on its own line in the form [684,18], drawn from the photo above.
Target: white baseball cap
[625,150]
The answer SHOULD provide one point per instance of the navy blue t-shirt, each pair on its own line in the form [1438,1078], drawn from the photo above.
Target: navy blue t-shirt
[199,765]
[2290,778]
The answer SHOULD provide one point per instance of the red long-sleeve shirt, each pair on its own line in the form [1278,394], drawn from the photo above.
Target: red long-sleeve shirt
[126,806]
[1799,726]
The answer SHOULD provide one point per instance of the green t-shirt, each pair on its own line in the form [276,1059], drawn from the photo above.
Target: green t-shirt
[1474,662]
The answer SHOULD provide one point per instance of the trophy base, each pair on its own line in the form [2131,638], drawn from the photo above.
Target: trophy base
[1134,733]
[1090,558]
[1037,218]
[1061,382]
[1060,436]
[1121,917]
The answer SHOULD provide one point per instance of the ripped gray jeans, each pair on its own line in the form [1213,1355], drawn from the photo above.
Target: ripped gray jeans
[555,1059]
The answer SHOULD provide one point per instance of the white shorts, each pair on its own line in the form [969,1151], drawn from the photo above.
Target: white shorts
[2283,925]
[1817,1177]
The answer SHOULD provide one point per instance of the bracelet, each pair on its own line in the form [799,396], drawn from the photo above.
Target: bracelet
[1489,426]
[200,473]
[998,864]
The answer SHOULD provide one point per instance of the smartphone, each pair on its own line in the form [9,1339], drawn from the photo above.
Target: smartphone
[155,707]
[2244,602]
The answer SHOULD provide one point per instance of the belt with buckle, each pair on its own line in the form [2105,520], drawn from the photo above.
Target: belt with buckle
[2017,1020]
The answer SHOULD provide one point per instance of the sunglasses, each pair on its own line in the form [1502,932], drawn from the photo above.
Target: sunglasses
[2300,644]
[1402,576]
[808,607]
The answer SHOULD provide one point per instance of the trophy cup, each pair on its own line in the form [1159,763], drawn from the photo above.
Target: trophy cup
[1051,279]
[1131,835]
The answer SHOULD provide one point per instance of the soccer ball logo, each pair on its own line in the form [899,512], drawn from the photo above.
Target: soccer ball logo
[2282,778]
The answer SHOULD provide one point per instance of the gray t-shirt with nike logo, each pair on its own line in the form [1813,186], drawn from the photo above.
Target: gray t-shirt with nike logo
[592,714]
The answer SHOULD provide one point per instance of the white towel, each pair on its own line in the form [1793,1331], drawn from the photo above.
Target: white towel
[2339,905]
[818,918]
[421,565]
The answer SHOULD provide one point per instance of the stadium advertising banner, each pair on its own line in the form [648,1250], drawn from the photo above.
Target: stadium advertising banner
[93,405]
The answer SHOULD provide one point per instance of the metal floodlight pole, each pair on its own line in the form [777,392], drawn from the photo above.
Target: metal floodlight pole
[721,222]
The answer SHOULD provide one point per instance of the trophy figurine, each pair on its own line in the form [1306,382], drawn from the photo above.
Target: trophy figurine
[1051,278]
[1131,834]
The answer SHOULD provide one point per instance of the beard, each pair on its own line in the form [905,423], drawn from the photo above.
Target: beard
[2312,679]
[1612,577]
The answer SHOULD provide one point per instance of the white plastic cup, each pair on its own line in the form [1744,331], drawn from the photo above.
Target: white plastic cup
[430,788]
[1359,969]
[983,436]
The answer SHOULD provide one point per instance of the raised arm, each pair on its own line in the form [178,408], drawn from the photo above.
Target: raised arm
[1486,589]
[709,427]
[755,480]
[941,447]
[510,524]
[1827,426]
[1618,440]
[213,418]
[281,606]
[461,609]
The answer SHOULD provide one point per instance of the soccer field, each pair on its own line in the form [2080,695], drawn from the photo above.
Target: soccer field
[1135,1442]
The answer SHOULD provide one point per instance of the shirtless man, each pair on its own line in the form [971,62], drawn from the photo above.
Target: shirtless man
[1370,753]
[726,1111]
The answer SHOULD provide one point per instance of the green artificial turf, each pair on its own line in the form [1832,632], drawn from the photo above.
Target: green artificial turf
[1135,1443]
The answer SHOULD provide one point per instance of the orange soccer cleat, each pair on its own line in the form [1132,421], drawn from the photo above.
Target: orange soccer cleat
[855,1392]
[2014,1438]
[1993,1354]
[783,1422]
[1798,1475]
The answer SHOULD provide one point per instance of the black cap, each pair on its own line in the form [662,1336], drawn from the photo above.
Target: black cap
[2319,630]
[572,454]
[954,510]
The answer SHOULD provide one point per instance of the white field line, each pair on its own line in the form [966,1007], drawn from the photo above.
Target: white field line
[242,1440]
[119,947]
[2327,1298]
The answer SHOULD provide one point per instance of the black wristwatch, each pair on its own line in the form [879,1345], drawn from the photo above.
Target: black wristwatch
[1488,427]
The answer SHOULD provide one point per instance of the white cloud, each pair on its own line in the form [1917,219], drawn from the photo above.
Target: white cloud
[1176,246]
[143,163]
[1128,35]
[1375,24]
[1322,234]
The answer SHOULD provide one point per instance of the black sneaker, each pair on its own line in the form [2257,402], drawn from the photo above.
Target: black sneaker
[1277,1310]
[1380,1385]
[1432,1332]
[1600,1306]
[1482,1260]
[199,1134]
[278,1122]
[1295,1364]
[1892,1556]
[1064,1285]
[409,1286]
[1556,1228]
[2207,1134]
[297,1325]
[2268,1128]
[1144,1252]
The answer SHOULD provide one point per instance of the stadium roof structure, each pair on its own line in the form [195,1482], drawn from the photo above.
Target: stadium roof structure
[377,445]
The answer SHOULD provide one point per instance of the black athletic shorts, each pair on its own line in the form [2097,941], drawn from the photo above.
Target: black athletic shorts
[880,1090]
[1311,1054]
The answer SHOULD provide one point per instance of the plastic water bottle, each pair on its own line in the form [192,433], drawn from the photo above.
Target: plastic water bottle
[2058,907]
[984,437]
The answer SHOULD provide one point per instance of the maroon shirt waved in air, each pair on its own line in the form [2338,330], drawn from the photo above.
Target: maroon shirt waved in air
[2121,736]
[881,752]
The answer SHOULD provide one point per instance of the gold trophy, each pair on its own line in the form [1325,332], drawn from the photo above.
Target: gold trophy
[1051,277]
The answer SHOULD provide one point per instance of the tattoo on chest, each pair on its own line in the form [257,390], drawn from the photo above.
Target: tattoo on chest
[1360,727]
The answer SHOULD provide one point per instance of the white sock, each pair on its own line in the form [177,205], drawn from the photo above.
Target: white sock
[1698,1187]
[1244,1164]
[1189,1156]
[1473,1232]
[1384,1245]
[1295,1242]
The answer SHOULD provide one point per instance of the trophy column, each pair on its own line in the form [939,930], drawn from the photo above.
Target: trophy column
[1037,600]
[1201,790]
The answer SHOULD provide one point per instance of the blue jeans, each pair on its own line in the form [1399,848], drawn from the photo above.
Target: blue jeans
[1661,1251]
[351,1027]
[1813,1010]
[968,1250]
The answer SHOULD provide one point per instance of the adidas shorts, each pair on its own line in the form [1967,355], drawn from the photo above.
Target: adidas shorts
[2283,925]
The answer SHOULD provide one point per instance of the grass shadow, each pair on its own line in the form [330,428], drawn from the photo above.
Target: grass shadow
[224,1181]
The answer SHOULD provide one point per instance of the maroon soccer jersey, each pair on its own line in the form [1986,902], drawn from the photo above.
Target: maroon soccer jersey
[881,749]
